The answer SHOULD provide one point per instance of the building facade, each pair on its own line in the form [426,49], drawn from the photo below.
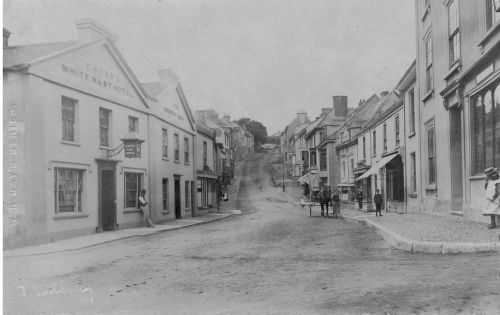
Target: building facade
[458,77]
[83,137]
[208,173]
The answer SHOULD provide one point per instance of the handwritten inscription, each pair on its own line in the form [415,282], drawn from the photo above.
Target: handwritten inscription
[53,291]
[99,77]
[10,201]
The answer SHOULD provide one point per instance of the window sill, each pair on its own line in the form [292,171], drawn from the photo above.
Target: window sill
[426,12]
[412,134]
[70,143]
[457,213]
[70,216]
[455,68]
[165,159]
[491,32]
[165,212]
[428,95]
[178,162]
[413,195]
[431,187]
[186,163]
[477,177]
[131,210]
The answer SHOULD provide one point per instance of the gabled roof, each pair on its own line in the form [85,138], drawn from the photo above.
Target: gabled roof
[204,129]
[327,120]
[16,56]
[386,106]
[291,126]
[22,57]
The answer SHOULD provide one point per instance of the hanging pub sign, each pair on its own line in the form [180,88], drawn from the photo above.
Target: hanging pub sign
[132,145]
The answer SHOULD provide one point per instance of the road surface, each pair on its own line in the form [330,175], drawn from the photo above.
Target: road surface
[272,259]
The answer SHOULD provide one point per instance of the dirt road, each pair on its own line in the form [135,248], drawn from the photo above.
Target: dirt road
[273,259]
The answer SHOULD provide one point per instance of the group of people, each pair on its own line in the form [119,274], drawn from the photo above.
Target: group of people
[377,200]
[329,197]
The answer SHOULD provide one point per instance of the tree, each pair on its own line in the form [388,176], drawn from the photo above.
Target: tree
[258,130]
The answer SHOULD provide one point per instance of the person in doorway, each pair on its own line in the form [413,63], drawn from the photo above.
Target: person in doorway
[492,195]
[359,197]
[143,205]
[324,200]
[336,203]
[377,199]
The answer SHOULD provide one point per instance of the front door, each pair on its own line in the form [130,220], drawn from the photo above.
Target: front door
[456,158]
[177,197]
[107,206]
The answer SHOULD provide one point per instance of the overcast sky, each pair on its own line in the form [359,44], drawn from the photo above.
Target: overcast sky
[262,59]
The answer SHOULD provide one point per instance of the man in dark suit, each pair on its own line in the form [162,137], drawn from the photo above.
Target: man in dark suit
[359,197]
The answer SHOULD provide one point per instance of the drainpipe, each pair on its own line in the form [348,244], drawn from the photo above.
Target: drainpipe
[194,199]
[405,165]
[149,168]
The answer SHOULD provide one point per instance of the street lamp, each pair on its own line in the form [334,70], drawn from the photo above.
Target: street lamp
[283,182]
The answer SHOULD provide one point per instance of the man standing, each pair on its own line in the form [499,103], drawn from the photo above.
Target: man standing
[143,205]
[359,197]
[324,200]
[336,203]
[378,203]
[492,195]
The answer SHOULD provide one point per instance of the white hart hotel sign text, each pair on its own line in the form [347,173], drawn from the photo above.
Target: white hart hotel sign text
[99,77]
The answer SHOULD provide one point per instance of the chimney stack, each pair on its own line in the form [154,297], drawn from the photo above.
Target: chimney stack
[301,116]
[226,118]
[325,111]
[6,35]
[340,105]
[211,114]
[167,76]
[89,30]
[200,115]
[383,93]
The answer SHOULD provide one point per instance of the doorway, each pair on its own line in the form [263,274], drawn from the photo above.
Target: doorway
[456,158]
[177,196]
[107,196]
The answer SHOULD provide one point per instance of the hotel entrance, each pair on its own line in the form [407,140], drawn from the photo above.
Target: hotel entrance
[106,197]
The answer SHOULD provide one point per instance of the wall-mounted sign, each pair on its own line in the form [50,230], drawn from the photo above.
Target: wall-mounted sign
[132,150]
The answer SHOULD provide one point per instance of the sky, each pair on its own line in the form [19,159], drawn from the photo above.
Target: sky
[261,59]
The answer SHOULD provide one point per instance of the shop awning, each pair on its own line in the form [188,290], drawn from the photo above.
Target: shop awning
[346,185]
[310,179]
[374,169]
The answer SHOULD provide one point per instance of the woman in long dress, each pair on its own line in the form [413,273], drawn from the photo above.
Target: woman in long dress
[492,195]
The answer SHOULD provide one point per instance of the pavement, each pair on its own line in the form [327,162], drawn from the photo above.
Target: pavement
[227,209]
[91,240]
[419,232]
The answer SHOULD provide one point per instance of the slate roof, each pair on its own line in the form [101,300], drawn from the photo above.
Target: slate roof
[387,105]
[16,56]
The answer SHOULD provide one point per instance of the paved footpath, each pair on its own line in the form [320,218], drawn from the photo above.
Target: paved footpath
[424,233]
[226,210]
